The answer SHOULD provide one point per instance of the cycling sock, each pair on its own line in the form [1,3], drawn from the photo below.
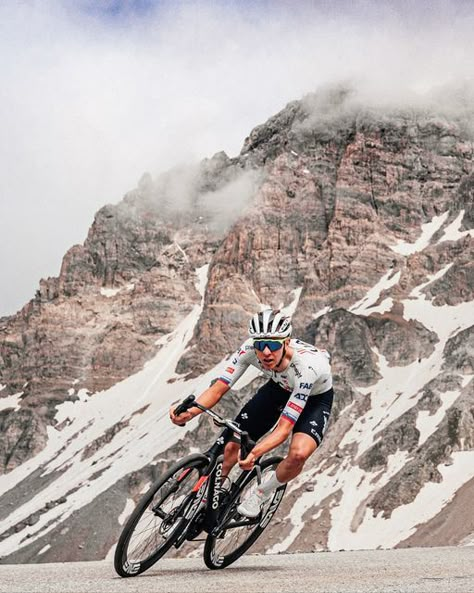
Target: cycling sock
[271,484]
[226,484]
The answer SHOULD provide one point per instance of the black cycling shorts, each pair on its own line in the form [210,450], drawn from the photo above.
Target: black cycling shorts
[261,413]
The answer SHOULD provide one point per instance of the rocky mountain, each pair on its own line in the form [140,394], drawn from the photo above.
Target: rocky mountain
[359,222]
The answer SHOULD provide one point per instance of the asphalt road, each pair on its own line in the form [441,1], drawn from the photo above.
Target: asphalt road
[415,570]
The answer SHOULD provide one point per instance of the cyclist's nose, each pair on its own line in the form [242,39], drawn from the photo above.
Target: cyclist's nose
[267,351]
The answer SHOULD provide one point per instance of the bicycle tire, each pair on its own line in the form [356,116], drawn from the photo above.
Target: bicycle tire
[215,559]
[128,561]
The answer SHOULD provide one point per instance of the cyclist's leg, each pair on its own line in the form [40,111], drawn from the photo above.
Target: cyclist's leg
[308,434]
[257,417]
[301,448]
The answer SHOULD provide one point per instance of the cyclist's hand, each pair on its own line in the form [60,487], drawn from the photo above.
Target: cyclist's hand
[248,462]
[181,419]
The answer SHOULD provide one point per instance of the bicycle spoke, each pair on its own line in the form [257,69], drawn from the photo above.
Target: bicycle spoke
[236,533]
[156,521]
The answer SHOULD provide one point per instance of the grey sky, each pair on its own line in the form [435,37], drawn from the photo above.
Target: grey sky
[95,93]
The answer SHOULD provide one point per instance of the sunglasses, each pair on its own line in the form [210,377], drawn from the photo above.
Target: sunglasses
[272,345]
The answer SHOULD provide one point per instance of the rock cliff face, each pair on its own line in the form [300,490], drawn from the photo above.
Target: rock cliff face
[359,221]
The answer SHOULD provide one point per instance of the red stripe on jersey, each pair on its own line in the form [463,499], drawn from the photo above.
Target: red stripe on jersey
[289,418]
[299,409]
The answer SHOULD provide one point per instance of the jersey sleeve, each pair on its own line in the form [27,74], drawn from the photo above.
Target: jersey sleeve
[236,365]
[298,398]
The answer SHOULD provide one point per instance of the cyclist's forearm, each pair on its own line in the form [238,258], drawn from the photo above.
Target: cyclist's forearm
[273,440]
[210,397]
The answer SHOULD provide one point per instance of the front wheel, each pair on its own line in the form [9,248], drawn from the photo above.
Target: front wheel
[158,519]
[235,534]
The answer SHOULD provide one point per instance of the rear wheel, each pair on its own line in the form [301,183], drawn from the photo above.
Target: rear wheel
[235,534]
[158,520]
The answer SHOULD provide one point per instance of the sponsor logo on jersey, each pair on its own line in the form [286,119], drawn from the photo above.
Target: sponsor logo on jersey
[301,396]
[296,370]
[235,361]
[295,407]
[229,370]
[242,352]
[307,386]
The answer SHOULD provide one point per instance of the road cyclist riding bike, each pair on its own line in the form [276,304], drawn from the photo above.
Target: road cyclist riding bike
[296,400]
[196,494]
[188,499]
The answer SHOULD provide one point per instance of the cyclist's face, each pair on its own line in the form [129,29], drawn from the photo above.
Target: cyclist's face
[269,357]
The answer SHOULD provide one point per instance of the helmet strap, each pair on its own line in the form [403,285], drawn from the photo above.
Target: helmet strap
[282,356]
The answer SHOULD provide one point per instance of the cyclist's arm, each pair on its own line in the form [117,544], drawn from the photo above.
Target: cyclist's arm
[233,368]
[208,398]
[211,396]
[285,425]
[274,439]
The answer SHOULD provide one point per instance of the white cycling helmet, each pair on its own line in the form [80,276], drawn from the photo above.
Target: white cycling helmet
[269,324]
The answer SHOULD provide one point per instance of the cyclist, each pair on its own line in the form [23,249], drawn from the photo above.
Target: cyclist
[297,398]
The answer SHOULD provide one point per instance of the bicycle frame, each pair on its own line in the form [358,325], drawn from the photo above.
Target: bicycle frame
[211,480]
[210,483]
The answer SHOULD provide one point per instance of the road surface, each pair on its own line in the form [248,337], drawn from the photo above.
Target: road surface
[414,570]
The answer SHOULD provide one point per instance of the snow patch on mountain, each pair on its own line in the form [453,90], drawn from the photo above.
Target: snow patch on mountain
[452,232]
[11,401]
[427,232]
[432,498]
[366,305]
[140,403]
[427,423]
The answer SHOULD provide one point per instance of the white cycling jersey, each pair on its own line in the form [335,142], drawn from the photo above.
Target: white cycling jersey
[308,374]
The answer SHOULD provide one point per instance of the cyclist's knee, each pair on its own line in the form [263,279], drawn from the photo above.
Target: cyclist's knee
[232,449]
[297,457]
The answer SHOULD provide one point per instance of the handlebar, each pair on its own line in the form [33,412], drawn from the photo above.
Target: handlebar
[246,443]
[185,405]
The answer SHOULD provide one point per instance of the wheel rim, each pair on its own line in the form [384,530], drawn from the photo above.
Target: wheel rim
[238,529]
[162,516]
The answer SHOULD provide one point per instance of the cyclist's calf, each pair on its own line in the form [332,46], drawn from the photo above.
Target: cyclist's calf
[231,454]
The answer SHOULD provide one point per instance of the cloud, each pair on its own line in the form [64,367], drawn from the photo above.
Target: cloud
[94,94]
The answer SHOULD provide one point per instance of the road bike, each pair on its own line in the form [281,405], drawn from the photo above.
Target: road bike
[189,499]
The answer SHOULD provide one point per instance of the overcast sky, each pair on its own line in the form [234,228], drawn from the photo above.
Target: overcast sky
[94,93]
